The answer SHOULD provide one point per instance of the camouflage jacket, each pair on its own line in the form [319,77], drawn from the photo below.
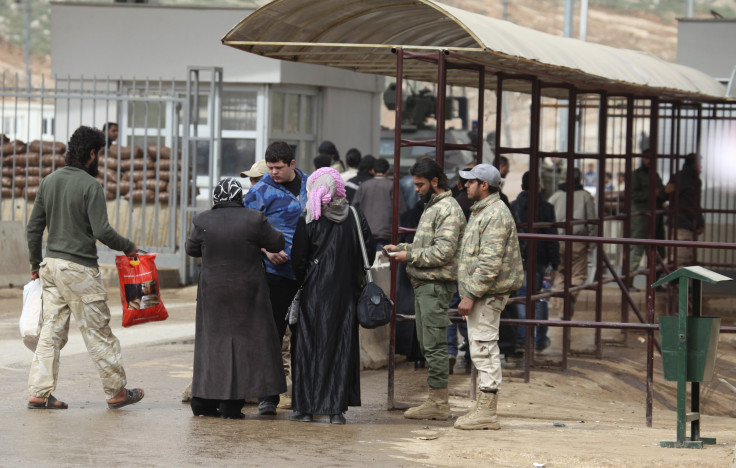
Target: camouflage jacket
[432,255]
[490,260]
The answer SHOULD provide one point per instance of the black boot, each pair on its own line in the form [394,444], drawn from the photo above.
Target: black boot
[205,407]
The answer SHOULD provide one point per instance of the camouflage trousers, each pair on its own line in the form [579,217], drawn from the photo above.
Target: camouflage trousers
[483,328]
[73,289]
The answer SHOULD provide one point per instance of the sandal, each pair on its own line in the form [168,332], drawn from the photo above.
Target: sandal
[131,396]
[49,403]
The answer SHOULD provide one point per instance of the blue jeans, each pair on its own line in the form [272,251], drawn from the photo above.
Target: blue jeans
[541,309]
[452,330]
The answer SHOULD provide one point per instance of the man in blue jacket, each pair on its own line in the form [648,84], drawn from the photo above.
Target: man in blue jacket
[282,196]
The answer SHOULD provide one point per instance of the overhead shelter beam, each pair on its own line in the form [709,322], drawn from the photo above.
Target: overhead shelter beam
[358,35]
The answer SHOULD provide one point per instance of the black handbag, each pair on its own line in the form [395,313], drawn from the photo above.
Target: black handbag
[374,307]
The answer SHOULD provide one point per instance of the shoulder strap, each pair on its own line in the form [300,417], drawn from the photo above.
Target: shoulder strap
[366,267]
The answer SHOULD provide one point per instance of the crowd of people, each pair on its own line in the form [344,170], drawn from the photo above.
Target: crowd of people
[291,239]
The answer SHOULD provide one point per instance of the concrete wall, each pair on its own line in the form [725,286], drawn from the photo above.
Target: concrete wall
[350,119]
[126,40]
[707,45]
[15,268]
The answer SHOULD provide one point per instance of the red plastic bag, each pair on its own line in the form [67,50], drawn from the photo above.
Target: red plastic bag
[139,289]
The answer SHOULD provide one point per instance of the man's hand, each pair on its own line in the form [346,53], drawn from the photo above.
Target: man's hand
[34,275]
[552,276]
[133,252]
[669,188]
[277,258]
[700,230]
[466,306]
[400,254]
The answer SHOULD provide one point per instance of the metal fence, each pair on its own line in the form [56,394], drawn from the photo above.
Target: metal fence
[152,174]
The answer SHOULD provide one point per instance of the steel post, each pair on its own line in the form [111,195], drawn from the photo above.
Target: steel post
[441,98]
[652,250]
[569,207]
[395,224]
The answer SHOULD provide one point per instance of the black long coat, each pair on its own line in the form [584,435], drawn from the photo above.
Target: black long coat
[237,350]
[326,347]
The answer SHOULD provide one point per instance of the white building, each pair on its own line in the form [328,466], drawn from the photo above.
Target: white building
[263,100]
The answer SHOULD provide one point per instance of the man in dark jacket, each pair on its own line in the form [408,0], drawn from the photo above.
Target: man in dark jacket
[689,220]
[640,193]
[375,198]
[460,193]
[71,203]
[365,172]
[282,196]
[548,255]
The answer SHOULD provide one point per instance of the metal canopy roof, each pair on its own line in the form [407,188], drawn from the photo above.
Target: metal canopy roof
[358,35]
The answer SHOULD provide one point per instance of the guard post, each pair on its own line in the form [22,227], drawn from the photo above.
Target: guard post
[689,351]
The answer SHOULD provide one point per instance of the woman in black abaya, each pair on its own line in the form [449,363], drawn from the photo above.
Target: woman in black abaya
[328,262]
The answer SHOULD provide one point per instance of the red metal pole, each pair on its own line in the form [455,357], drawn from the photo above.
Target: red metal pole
[628,169]
[481,112]
[652,250]
[441,97]
[698,145]
[602,140]
[531,253]
[499,116]
[395,219]
[569,205]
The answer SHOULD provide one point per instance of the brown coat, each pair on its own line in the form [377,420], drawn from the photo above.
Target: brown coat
[237,350]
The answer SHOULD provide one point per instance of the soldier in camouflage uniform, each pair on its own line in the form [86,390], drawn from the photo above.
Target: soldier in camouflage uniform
[490,269]
[71,203]
[432,268]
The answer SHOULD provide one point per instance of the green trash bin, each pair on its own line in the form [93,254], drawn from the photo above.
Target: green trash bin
[702,344]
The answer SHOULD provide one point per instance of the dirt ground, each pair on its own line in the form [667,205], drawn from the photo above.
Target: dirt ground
[591,414]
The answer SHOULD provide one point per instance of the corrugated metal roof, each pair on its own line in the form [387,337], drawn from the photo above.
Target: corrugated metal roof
[359,35]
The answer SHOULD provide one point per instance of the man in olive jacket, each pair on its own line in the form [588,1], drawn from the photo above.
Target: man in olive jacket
[71,204]
[432,268]
[490,269]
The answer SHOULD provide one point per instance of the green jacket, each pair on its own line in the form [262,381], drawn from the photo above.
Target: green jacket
[432,255]
[71,203]
[490,259]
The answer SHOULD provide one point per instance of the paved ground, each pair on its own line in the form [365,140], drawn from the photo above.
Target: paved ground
[599,403]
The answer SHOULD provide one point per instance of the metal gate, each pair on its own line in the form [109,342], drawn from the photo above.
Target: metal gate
[157,174]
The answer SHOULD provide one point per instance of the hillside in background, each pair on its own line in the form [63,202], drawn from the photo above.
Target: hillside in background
[648,25]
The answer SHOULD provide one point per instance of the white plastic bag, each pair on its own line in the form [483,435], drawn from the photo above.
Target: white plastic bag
[31,319]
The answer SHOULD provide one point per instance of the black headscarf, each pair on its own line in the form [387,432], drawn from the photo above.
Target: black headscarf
[228,190]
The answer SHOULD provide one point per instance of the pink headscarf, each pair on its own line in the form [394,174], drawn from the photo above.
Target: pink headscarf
[322,186]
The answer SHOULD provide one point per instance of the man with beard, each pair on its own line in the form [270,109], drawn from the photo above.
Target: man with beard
[432,268]
[71,203]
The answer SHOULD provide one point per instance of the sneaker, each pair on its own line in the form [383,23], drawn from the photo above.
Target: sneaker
[284,401]
[542,345]
[300,417]
[266,408]
[453,360]
[338,418]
